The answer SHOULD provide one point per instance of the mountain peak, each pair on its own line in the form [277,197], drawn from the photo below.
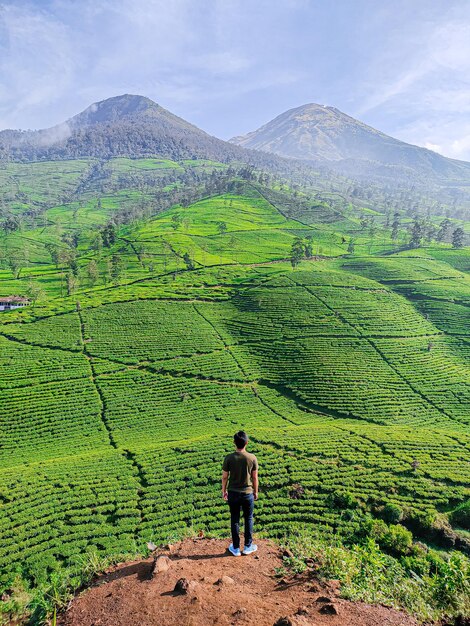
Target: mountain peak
[115,109]
[123,125]
[323,133]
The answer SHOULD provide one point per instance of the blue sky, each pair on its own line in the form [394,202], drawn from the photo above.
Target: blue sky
[229,66]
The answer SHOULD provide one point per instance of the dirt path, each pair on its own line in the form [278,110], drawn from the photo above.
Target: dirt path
[223,590]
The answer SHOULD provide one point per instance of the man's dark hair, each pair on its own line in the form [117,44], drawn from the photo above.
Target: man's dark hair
[241,439]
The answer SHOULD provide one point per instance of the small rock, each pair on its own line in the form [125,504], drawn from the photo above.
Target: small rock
[225,580]
[335,586]
[161,564]
[256,557]
[182,586]
[329,609]
[241,612]
[302,610]
[323,599]
[283,621]
[288,554]
[170,547]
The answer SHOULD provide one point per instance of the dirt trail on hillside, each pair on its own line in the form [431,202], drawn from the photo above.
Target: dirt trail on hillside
[219,589]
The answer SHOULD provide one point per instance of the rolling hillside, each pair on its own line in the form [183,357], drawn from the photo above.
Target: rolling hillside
[349,158]
[349,372]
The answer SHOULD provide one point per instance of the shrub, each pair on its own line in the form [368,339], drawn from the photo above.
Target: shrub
[397,540]
[392,513]
[342,500]
[461,515]
[429,586]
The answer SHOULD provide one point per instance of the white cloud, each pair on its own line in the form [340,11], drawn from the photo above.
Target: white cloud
[36,61]
[435,147]
[459,148]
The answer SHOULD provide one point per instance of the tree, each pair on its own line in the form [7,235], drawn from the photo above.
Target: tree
[309,247]
[107,271]
[188,261]
[71,239]
[351,246]
[443,231]
[222,227]
[108,234]
[416,234]
[72,283]
[54,253]
[73,265]
[176,221]
[297,252]
[15,265]
[116,268]
[92,272]
[10,225]
[34,292]
[458,238]
[395,225]
[97,243]
[66,256]
[430,232]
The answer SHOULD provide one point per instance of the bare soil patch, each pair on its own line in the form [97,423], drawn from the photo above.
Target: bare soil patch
[204,585]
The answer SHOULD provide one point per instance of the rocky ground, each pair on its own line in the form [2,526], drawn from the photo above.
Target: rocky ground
[198,583]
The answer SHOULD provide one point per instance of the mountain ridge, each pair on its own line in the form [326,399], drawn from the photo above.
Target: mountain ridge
[126,125]
[320,132]
[302,143]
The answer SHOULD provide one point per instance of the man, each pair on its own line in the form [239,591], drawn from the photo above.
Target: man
[240,470]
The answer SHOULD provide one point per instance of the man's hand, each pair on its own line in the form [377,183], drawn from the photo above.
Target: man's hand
[225,495]
[255,495]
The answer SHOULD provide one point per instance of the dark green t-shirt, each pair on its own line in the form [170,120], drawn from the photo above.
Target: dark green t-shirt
[240,465]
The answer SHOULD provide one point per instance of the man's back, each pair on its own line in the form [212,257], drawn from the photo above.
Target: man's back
[240,464]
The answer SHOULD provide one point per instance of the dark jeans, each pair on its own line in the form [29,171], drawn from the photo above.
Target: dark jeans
[237,501]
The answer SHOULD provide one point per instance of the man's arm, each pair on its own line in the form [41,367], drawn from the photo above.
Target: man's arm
[254,478]
[224,485]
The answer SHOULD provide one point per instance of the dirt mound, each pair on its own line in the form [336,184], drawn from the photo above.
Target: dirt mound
[202,584]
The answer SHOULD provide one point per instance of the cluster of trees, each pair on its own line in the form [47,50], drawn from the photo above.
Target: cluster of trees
[301,249]
[423,231]
[110,271]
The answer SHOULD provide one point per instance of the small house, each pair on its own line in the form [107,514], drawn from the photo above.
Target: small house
[12,302]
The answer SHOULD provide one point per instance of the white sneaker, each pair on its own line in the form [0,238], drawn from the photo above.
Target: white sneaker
[250,549]
[234,551]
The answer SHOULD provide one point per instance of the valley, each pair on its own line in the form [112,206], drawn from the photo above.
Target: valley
[175,301]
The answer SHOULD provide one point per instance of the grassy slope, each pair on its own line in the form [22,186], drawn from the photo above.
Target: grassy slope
[109,411]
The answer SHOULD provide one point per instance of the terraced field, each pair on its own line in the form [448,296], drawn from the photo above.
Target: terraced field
[350,375]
